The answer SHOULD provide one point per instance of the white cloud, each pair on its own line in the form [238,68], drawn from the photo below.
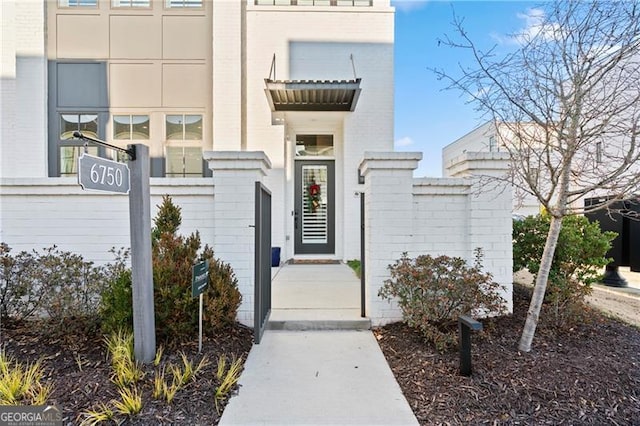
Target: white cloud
[408,5]
[533,26]
[405,141]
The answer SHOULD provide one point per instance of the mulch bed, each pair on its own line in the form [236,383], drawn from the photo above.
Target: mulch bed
[77,365]
[589,374]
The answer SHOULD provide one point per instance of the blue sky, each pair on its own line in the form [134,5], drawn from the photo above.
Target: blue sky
[427,117]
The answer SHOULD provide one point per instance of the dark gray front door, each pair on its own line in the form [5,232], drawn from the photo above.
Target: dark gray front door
[314,207]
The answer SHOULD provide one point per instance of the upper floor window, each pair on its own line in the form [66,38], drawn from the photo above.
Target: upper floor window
[314,145]
[493,146]
[130,3]
[313,2]
[130,127]
[598,152]
[78,3]
[84,123]
[183,3]
[183,127]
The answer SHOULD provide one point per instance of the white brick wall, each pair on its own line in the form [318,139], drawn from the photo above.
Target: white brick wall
[23,89]
[234,177]
[38,213]
[432,216]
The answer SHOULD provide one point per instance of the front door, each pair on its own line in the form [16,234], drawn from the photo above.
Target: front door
[314,219]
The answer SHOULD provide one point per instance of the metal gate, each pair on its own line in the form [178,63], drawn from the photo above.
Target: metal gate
[262,295]
[363,302]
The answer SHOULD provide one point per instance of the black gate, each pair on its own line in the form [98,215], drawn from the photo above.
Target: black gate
[262,287]
[363,302]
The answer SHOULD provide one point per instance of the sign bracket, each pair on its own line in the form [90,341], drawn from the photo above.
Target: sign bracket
[131,152]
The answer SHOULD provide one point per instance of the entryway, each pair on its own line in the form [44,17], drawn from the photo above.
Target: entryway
[316,297]
[314,219]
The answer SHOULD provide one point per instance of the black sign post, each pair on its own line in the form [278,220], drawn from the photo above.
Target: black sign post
[199,283]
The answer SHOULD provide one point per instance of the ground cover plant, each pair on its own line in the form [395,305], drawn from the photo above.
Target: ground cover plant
[588,374]
[65,334]
[91,384]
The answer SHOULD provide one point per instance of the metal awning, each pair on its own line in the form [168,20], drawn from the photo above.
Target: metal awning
[312,95]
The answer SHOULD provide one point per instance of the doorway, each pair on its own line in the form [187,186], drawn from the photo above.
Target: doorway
[314,215]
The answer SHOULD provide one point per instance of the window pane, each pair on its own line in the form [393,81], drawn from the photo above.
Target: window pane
[69,158]
[193,161]
[89,125]
[314,145]
[184,3]
[139,127]
[78,3]
[121,127]
[174,127]
[130,3]
[174,162]
[68,125]
[193,127]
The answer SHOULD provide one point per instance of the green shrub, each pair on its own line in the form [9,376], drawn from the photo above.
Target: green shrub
[176,311]
[116,304]
[433,292]
[577,262]
[222,298]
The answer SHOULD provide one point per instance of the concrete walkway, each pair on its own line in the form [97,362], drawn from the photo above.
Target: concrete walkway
[316,297]
[317,376]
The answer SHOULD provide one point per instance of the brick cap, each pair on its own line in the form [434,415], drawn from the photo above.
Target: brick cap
[237,160]
[389,161]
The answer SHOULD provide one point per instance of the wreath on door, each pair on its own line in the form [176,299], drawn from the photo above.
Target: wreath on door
[313,194]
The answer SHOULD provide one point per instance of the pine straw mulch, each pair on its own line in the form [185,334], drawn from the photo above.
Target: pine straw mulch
[586,375]
[76,363]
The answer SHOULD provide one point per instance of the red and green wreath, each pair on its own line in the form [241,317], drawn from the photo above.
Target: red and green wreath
[313,194]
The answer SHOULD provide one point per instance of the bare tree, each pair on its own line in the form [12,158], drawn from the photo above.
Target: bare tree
[566,106]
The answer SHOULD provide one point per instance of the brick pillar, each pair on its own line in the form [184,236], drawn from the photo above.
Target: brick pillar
[388,191]
[234,177]
[489,213]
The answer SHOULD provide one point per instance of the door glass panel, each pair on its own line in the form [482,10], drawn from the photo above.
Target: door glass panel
[314,205]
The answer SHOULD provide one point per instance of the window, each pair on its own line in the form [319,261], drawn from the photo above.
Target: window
[314,145]
[184,161]
[313,2]
[183,127]
[130,127]
[183,3]
[493,146]
[69,148]
[598,152]
[69,158]
[85,123]
[78,3]
[130,3]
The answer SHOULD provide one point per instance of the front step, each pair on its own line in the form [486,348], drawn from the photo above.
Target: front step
[308,325]
[317,319]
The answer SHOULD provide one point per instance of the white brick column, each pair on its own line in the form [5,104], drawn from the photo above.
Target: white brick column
[234,177]
[489,213]
[388,191]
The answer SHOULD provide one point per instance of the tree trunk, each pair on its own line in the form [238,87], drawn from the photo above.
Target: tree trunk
[541,285]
